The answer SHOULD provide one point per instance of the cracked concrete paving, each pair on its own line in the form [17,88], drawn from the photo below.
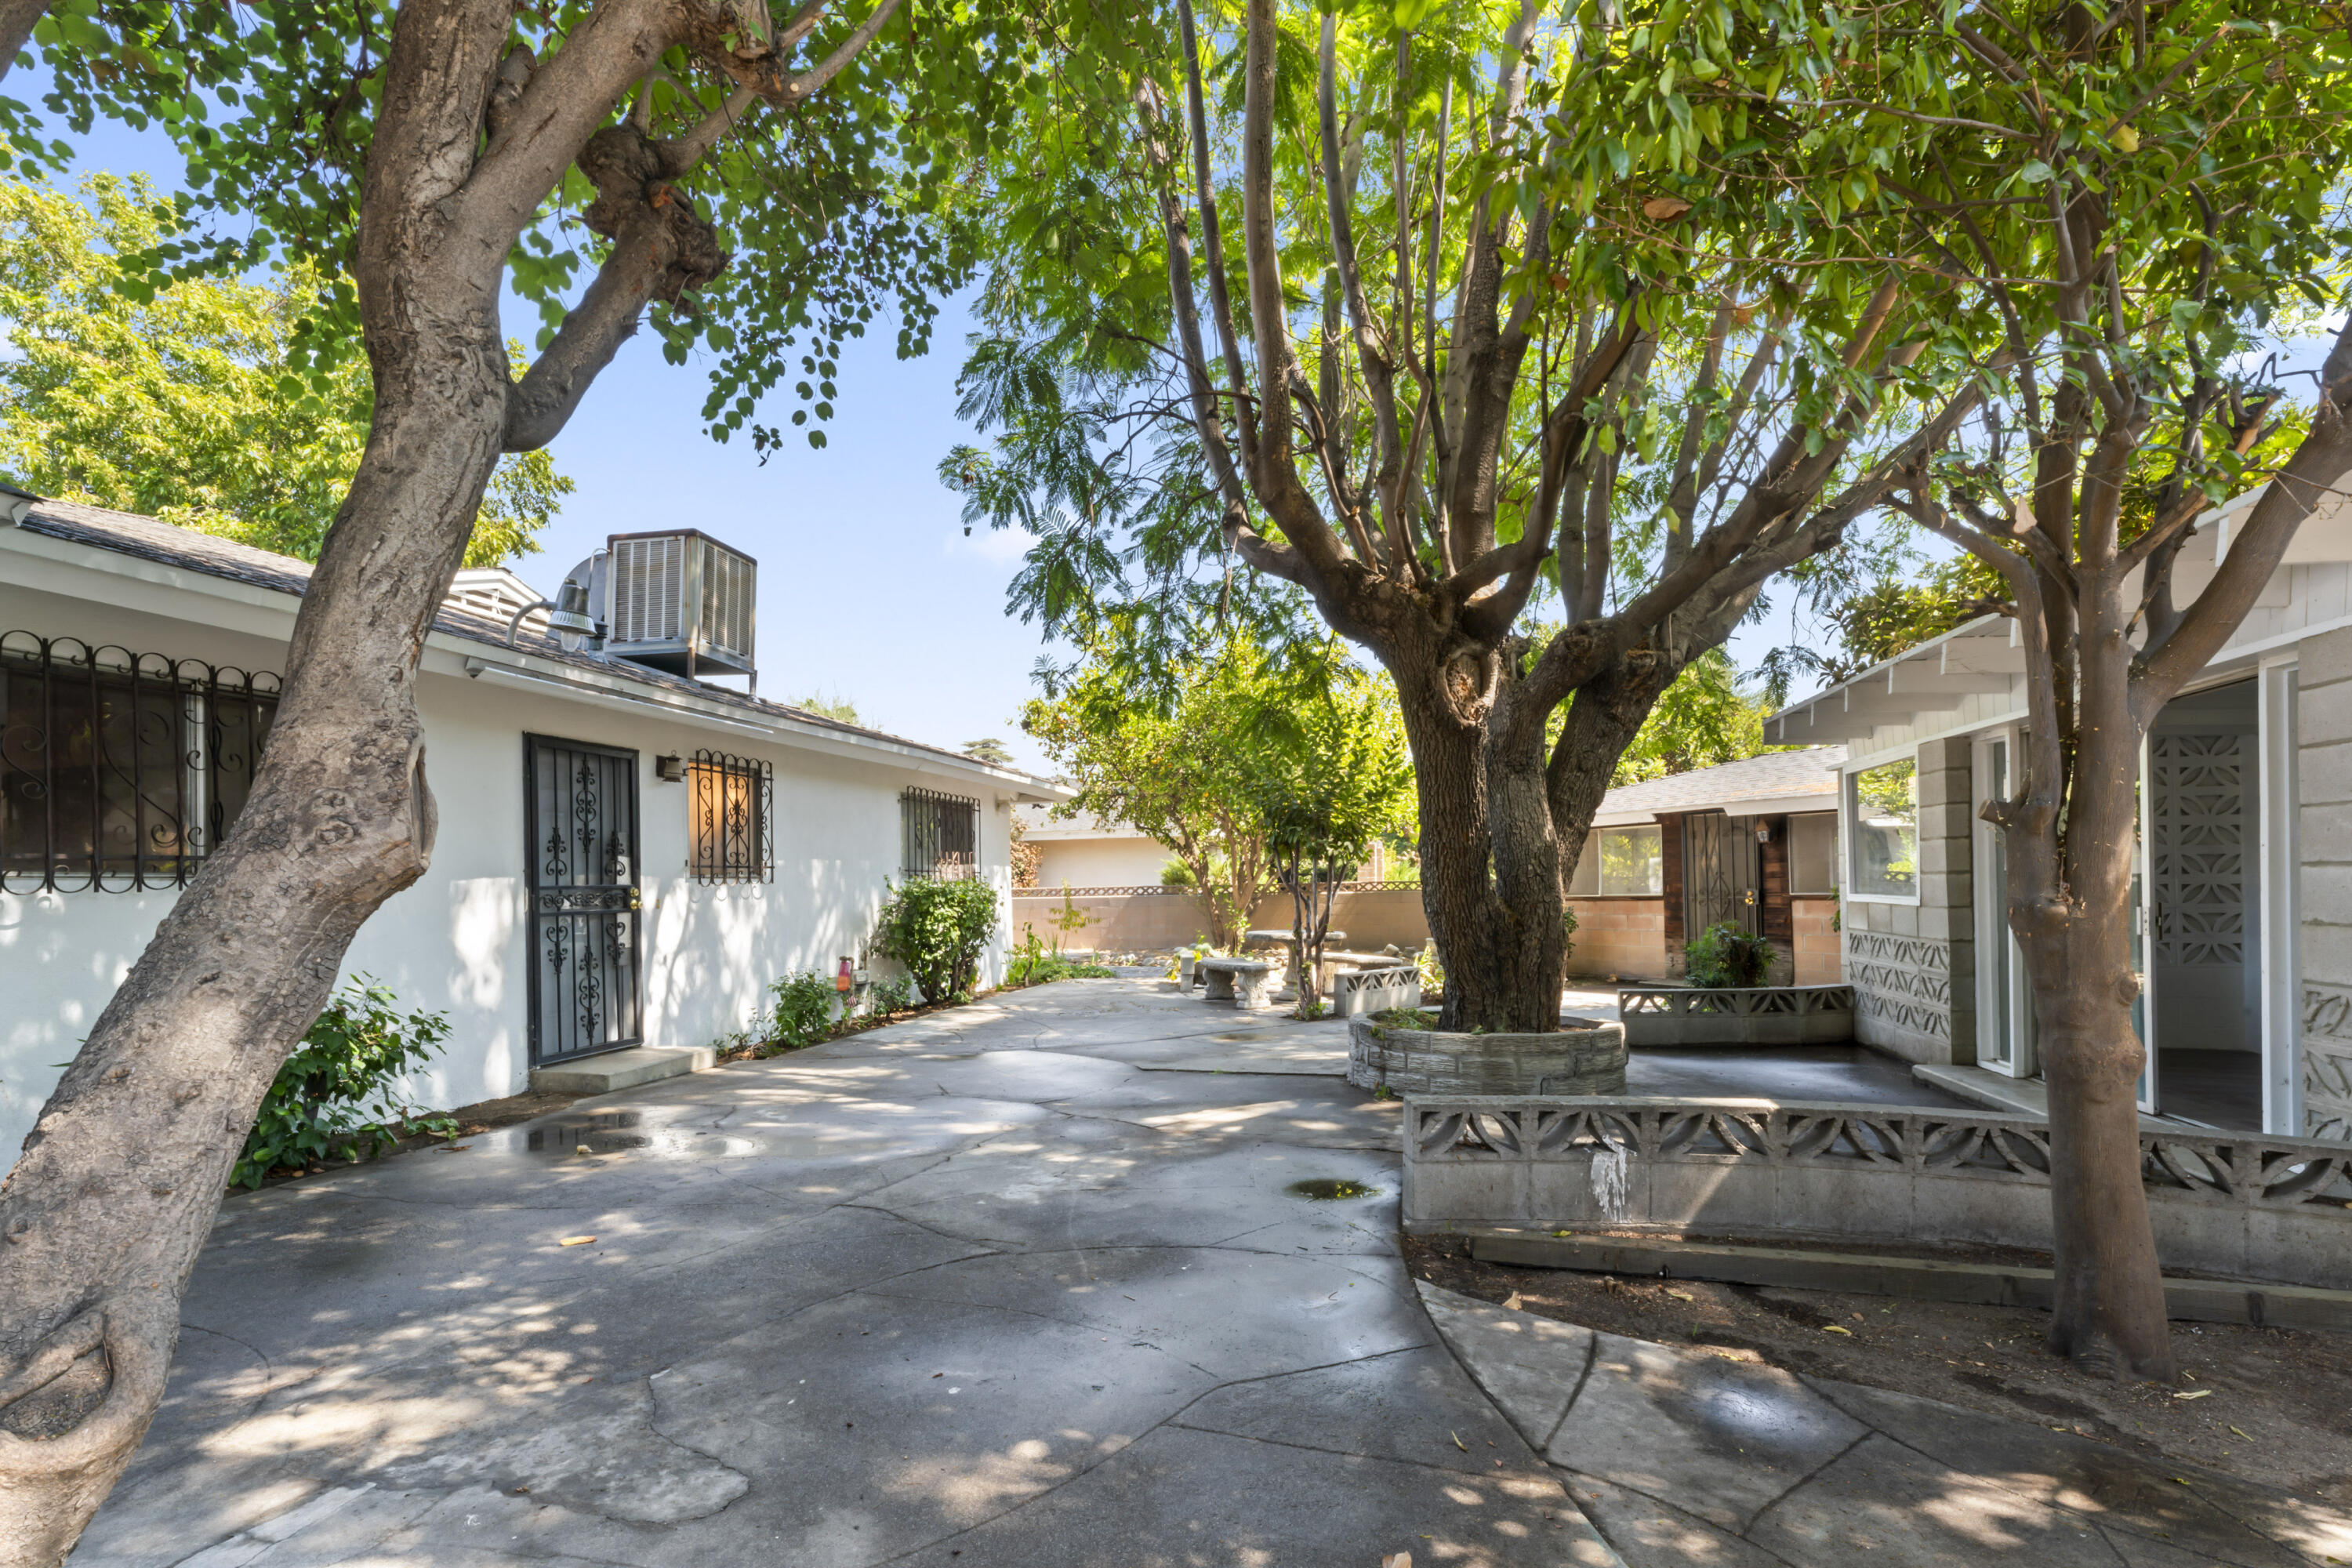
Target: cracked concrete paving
[991,1286]
[1021,1283]
[1683,1456]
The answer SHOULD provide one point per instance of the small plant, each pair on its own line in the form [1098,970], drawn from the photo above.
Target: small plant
[1566,931]
[333,1097]
[1069,920]
[937,928]
[801,1011]
[1431,971]
[1724,956]
[1405,1018]
[1023,961]
[893,995]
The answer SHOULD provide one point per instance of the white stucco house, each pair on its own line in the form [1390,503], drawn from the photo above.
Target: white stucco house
[627,856]
[2245,854]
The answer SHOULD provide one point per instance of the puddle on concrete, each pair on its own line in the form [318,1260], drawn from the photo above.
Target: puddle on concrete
[1325,1189]
[628,1132]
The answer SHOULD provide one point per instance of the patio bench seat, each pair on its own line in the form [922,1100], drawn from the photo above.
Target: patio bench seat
[1246,982]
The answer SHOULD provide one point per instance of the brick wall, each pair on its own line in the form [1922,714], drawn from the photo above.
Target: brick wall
[1623,937]
[1817,950]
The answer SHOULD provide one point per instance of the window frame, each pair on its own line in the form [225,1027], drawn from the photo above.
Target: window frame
[1849,816]
[720,853]
[923,845]
[212,762]
[1593,846]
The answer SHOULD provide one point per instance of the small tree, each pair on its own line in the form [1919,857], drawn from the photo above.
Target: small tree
[2133,201]
[1344,784]
[1177,755]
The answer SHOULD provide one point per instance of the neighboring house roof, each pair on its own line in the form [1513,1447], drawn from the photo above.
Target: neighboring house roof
[186,549]
[1773,783]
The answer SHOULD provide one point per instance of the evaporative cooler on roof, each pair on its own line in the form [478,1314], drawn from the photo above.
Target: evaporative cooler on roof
[681,602]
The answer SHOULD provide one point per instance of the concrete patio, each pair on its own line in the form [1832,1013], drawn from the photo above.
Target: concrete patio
[1021,1283]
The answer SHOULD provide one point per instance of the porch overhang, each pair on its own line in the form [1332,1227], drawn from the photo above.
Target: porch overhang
[1923,689]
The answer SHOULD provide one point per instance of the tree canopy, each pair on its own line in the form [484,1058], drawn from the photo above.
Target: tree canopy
[181,404]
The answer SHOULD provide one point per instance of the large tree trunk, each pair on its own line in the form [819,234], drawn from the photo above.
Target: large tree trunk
[1497,927]
[2073,913]
[105,1213]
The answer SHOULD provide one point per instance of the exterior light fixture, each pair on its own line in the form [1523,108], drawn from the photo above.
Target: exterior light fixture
[1763,831]
[670,769]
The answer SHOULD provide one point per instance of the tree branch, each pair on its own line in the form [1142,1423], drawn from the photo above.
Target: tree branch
[2318,465]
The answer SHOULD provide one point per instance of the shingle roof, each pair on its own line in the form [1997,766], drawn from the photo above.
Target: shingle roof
[147,539]
[1811,769]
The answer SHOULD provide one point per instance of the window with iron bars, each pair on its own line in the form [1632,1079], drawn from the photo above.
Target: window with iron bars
[939,835]
[119,771]
[730,799]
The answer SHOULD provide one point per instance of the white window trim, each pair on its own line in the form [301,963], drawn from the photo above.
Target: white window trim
[1847,817]
[1592,842]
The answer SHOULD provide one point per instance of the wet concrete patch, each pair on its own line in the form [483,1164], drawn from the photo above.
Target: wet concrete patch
[1328,1189]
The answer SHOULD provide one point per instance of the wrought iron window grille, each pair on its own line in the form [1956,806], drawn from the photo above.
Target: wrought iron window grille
[939,835]
[121,772]
[730,799]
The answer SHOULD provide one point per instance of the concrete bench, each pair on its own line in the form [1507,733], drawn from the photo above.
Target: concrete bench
[1243,981]
[1371,990]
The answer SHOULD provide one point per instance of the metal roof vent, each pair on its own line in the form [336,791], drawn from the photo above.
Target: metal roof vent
[681,602]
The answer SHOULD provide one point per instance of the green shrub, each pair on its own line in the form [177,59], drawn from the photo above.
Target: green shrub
[1725,956]
[938,929]
[1176,874]
[802,1010]
[333,1097]
[892,996]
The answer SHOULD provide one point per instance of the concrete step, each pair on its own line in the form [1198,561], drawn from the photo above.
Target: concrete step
[2019,1096]
[1879,1274]
[632,1069]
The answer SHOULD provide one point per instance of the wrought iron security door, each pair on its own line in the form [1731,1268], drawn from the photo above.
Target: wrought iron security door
[580,822]
[1719,872]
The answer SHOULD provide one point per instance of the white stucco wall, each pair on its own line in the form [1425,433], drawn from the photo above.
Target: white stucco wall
[455,940]
[1099,862]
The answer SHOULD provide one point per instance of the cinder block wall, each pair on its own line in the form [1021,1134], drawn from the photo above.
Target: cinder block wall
[1815,943]
[1913,967]
[1620,936]
[2324,769]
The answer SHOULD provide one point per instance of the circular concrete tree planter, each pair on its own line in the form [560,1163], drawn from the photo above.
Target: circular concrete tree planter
[1582,1057]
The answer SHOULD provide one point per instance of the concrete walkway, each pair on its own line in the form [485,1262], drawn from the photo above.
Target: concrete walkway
[1684,1456]
[1021,1283]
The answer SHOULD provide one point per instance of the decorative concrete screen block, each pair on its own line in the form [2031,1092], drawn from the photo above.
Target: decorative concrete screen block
[2275,1209]
[1743,1015]
[1375,990]
[2327,1062]
[1242,981]
[1580,1058]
